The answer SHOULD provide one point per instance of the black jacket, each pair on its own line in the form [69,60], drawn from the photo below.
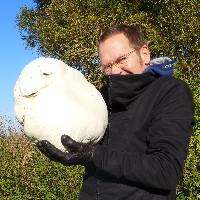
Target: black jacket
[142,154]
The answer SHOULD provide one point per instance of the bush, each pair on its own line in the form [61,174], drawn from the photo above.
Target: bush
[26,174]
[189,187]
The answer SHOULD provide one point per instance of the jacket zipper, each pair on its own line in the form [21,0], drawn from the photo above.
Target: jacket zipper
[110,108]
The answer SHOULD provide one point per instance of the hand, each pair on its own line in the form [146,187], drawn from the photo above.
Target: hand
[78,153]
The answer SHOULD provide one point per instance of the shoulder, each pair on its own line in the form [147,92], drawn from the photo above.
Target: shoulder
[174,95]
[171,81]
[171,85]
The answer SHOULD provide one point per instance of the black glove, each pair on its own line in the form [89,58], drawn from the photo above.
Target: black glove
[78,153]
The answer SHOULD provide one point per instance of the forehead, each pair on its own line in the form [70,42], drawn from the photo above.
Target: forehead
[113,47]
[117,40]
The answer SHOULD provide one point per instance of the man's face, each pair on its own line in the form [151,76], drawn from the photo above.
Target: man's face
[118,57]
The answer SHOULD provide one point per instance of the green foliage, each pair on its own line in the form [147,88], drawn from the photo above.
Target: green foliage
[69,30]
[63,29]
[26,174]
[178,23]
[189,187]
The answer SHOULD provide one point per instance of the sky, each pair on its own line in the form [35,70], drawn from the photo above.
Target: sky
[13,53]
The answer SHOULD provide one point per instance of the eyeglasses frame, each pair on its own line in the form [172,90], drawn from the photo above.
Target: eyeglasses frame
[118,62]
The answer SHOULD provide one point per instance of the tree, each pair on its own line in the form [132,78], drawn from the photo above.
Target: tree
[178,23]
[69,30]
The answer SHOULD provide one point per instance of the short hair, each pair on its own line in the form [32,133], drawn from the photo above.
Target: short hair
[132,33]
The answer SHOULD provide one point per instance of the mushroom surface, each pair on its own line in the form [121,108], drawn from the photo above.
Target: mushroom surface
[53,99]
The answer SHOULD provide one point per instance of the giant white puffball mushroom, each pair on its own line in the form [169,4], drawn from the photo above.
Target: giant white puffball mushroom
[52,99]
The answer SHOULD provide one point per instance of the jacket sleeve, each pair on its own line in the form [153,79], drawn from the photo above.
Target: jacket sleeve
[162,164]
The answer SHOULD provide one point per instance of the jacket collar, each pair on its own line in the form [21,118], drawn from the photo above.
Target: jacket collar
[161,66]
[123,89]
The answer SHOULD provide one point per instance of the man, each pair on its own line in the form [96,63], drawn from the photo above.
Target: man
[150,121]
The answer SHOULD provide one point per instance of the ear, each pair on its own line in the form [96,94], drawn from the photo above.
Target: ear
[145,55]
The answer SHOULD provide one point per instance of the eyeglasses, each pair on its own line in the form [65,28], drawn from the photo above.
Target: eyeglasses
[107,69]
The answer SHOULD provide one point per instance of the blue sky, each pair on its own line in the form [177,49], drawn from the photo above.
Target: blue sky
[13,53]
